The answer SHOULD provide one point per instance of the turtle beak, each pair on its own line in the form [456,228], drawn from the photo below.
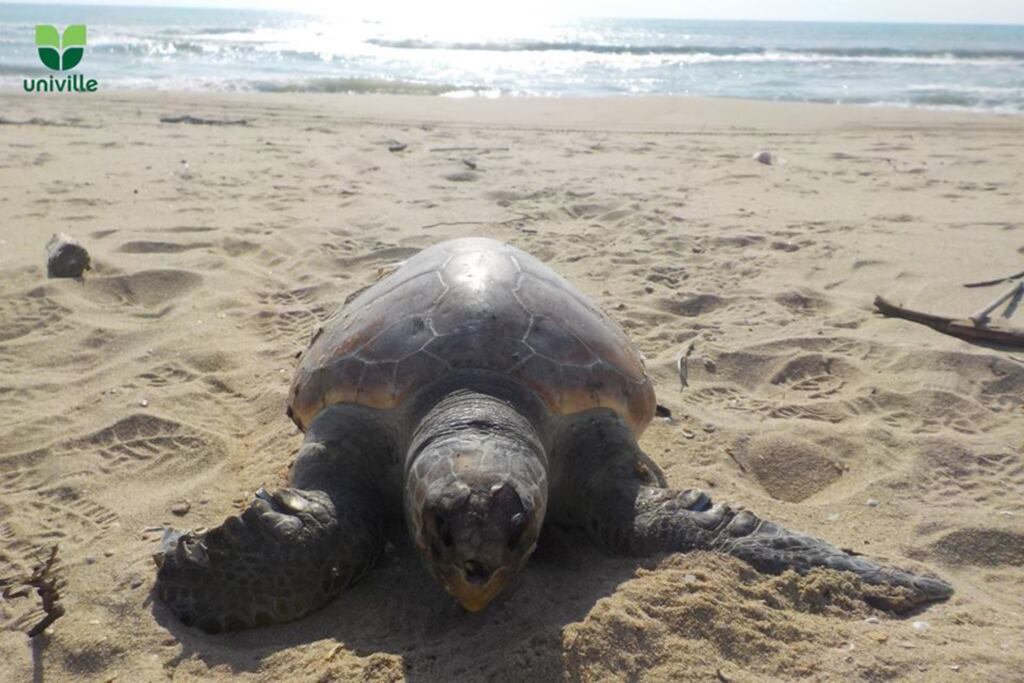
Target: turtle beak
[474,591]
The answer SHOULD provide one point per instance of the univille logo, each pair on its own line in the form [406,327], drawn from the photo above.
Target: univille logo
[57,53]
[60,53]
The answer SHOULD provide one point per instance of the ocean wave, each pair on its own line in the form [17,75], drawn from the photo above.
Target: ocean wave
[725,51]
[938,102]
[328,84]
[209,31]
[152,47]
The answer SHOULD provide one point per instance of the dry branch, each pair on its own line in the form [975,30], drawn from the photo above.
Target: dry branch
[47,581]
[199,121]
[964,328]
[469,149]
[997,281]
[981,317]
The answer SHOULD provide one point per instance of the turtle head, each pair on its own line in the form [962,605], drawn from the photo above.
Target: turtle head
[475,536]
[475,500]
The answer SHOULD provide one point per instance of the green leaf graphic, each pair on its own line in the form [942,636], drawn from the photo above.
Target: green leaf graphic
[50,57]
[72,56]
[74,36]
[47,36]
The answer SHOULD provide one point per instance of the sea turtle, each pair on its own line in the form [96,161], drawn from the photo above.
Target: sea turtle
[483,394]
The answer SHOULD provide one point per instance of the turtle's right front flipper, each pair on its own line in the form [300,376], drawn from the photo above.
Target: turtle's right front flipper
[664,520]
[286,555]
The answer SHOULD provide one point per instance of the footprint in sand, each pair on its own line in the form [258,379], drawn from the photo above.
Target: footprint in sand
[146,288]
[981,547]
[816,375]
[693,305]
[147,247]
[21,315]
[140,444]
[63,515]
[788,468]
[289,315]
[805,302]
[952,472]
[143,443]
[166,375]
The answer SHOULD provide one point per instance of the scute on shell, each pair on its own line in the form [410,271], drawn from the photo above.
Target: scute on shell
[473,304]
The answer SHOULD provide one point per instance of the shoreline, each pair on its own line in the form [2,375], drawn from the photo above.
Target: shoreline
[666,112]
[457,94]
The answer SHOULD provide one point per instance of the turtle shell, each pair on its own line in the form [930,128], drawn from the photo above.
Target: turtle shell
[472,304]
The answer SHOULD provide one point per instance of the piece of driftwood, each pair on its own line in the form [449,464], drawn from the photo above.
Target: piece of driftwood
[65,257]
[997,281]
[964,328]
[47,581]
[981,317]
[469,149]
[199,121]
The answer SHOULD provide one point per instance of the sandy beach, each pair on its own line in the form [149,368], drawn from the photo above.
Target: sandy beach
[161,377]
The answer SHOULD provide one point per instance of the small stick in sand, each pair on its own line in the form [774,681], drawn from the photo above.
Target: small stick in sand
[997,281]
[65,257]
[47,581]
[682,362]
[469,149]
[728,451]
[963,328]
[199,121]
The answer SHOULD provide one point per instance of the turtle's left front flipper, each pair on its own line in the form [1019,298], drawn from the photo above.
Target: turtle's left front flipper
[292,550]
[647,520]
[287,554]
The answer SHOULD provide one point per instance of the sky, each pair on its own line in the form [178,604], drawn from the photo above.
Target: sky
[928,11]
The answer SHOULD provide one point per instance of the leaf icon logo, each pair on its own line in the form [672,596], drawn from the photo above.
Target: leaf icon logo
[57,52]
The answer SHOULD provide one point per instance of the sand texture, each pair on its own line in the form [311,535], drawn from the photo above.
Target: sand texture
[160,378]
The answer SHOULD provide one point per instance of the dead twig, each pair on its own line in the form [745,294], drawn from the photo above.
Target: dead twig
[469,149]
[997,281]
[47,582]
[195,120]
[981,317]
[963,328]
[519,218]
[728,451]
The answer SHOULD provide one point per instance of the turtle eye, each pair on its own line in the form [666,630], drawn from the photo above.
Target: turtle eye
[518,526]
[444,532]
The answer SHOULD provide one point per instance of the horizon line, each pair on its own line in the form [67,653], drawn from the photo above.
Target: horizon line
[284,10]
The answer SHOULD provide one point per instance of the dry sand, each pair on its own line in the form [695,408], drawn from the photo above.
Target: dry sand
[161,377]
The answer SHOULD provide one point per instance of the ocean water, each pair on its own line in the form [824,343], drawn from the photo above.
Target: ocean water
[936,66]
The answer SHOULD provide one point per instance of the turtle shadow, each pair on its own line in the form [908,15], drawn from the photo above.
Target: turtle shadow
[398,619]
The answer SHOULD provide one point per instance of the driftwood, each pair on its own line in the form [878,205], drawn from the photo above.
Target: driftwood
[964,328]
[47,581]
[997,281]
[482,150]
[1012,295]
[198,121]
